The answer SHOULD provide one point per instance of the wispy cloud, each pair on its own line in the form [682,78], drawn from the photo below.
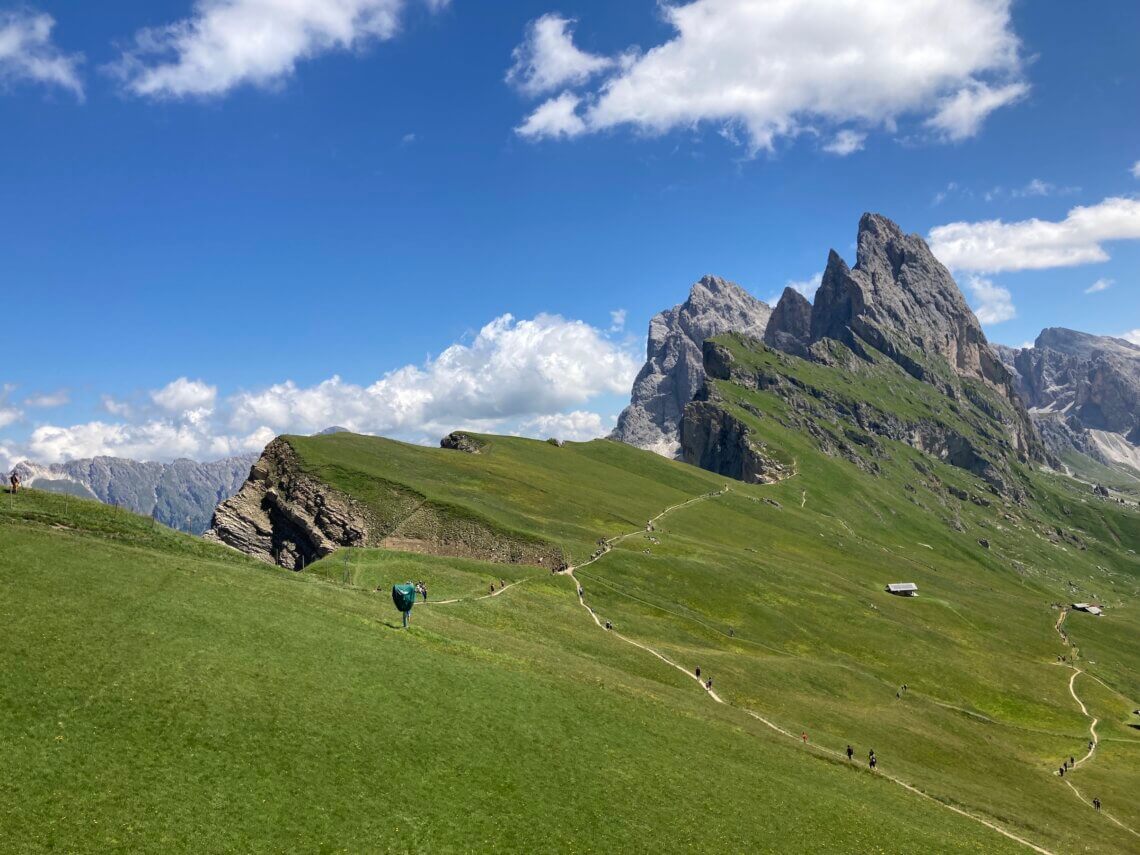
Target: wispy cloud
[28,54]
[992,303]
[1101,284]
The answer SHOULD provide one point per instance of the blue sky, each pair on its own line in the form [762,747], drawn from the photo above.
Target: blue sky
[223,220]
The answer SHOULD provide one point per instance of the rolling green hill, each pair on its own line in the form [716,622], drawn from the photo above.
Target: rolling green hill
[167,694]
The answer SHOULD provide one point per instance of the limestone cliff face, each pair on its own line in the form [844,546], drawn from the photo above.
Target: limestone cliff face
[789,328]
[674,367]
[901,301]
[1083,392]
[286,516]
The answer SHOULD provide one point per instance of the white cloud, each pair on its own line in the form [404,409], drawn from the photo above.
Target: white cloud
[960,115]
[941,195]
[1132,336]
[525,376]
[1135,169]
[1036,187]
[8,415]
[556,117]
[782,67]
[992,303]
[183,395]
[548,59]
[846,142]
[48,400]
[994,245]
[617,320]
[1101,284]
[230,43]
[576,426]
[28,54]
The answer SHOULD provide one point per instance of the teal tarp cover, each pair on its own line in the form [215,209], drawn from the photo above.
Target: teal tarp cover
[404,596]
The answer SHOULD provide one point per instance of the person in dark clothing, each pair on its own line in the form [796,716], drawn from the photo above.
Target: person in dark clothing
[874,761]
[708,684]
[14,480]
[1096,804]
[609,625]
[850,752]
[1061,771]
[698,672]
[1072,762]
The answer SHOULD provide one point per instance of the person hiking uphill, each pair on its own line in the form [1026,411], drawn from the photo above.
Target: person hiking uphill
[14,480]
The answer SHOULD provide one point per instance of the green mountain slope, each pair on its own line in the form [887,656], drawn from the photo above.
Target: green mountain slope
[167,694]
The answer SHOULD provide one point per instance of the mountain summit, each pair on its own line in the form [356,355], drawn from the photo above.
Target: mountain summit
[674,367]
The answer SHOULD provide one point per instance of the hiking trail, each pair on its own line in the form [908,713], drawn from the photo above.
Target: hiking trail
[605,548]
[1094,742]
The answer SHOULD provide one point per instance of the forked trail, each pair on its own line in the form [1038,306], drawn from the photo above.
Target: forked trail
[608,545]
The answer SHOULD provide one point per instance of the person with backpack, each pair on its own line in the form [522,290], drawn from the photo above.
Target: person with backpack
[14,480]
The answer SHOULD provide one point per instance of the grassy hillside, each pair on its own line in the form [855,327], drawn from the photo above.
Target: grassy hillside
[162,693]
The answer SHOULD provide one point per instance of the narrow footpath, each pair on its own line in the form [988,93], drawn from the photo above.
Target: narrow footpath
[608,545]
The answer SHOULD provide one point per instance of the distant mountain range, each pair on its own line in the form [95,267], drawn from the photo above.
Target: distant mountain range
[1083,392]
[181,494]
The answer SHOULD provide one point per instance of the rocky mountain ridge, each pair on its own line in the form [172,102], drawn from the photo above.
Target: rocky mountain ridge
[1083,392]
[674,366]
[897,308]
[181,494]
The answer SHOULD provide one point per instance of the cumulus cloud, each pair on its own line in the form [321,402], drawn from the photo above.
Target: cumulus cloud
[993,245]
[557,117]
[27,52]
[528,376]
[1101,284]
[577,426]
[1133,336]
[992,303]
[782,67]
[229,43]
[617,320]
[548,59]
[183,395]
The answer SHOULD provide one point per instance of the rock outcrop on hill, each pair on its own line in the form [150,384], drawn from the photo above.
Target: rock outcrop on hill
[285,514]
[181,494]
[1083,392]
[674,367]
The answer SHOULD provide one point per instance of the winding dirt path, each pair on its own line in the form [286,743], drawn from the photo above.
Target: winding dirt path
[608,545]
[1094,742]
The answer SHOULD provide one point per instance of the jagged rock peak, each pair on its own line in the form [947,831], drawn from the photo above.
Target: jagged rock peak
[674,367]
[789,328]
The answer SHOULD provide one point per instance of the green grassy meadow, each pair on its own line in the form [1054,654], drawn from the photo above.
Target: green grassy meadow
[165,694]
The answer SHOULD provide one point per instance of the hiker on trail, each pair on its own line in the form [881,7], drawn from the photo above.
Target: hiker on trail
[404,597]
[502,584]
[850,753]
[1096,804]
[708,684]
[904,688]
[1061,771]
[14,480]
[609,625]
[1092,745]
[897,696]
[1072,762]
[580,591]
[492,587]
[803,736]
[874,763]
[698,671]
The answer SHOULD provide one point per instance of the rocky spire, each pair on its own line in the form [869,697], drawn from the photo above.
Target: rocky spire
[789,328]
[674,367]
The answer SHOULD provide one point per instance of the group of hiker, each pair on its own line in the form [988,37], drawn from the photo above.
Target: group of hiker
[872,760]
[708,680]
[901,691]
[502,586]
